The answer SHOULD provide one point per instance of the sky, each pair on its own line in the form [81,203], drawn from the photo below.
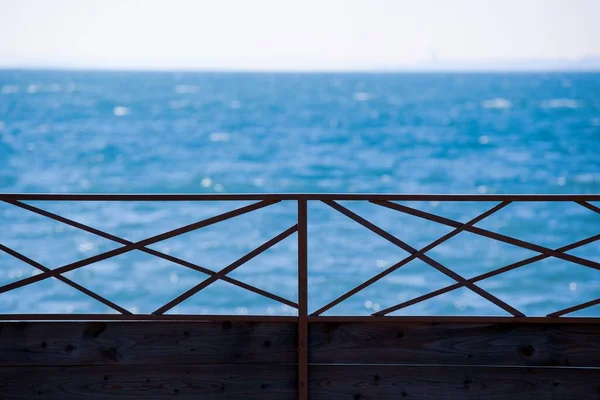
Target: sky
[295,35]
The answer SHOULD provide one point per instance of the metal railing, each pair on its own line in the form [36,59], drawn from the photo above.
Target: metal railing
[300,227]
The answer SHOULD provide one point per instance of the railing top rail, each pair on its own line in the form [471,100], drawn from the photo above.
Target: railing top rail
[292,196]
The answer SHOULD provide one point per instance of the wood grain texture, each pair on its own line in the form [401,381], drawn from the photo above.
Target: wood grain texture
[279,382]
[456,344]
[491,383]
[143,343]
[258,360]
[149,382]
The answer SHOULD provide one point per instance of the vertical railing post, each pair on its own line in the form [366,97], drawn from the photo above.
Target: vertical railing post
[302,302]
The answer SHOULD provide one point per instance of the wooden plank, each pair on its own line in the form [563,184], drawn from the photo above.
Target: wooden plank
[361,382]
[149,382]
[455,343]
[279,382]
[110,343]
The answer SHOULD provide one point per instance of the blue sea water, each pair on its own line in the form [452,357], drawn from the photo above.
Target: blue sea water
[134,132]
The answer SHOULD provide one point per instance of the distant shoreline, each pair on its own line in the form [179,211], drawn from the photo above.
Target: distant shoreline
[305,72]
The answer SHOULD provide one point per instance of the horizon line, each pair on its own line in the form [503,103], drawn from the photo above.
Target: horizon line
[415,70]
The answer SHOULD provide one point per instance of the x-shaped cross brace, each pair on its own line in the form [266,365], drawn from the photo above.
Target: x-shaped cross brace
[418,254]
[130,246]
[546,253]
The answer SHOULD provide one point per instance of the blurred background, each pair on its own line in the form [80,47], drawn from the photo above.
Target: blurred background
[315,96]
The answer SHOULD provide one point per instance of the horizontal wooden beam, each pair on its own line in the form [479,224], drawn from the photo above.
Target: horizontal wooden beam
[325,382]
[450,343]
[153,343]
[232,342]
[149,382]
[358,382]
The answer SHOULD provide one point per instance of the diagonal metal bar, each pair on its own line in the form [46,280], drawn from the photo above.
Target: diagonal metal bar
[239,262]
[66,280]
[489,234]
[153,252]
[136,245]
[588,303]
[487,275]
[575,308]
[419,254]
[589,206]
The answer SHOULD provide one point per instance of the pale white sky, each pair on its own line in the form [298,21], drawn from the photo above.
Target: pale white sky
[291,35]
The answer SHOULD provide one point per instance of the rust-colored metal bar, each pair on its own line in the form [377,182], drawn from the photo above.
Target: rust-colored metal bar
[296,197]
[486,275]
[153,252]
[135,246]
[66,280]
[574,308]
[411,250]
[589,206]
[452,319]
[588,303]
[489,234]
[292,319]
[152,317]
[302,300]
[407,259]
[239,262]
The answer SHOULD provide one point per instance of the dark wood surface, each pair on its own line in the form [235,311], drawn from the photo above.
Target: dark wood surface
[161,343]
[456,344]
[491,383]
[325,382]
[258,360]
[149,382]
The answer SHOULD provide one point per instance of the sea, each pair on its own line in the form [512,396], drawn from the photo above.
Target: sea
[204,132]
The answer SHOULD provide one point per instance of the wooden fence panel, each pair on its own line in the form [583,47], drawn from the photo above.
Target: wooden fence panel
[348,360]
[434,382]
[149,382]
[543,344]
[146,343]
[491,383]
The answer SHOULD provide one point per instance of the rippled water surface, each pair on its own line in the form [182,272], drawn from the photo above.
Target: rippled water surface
[115,132]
